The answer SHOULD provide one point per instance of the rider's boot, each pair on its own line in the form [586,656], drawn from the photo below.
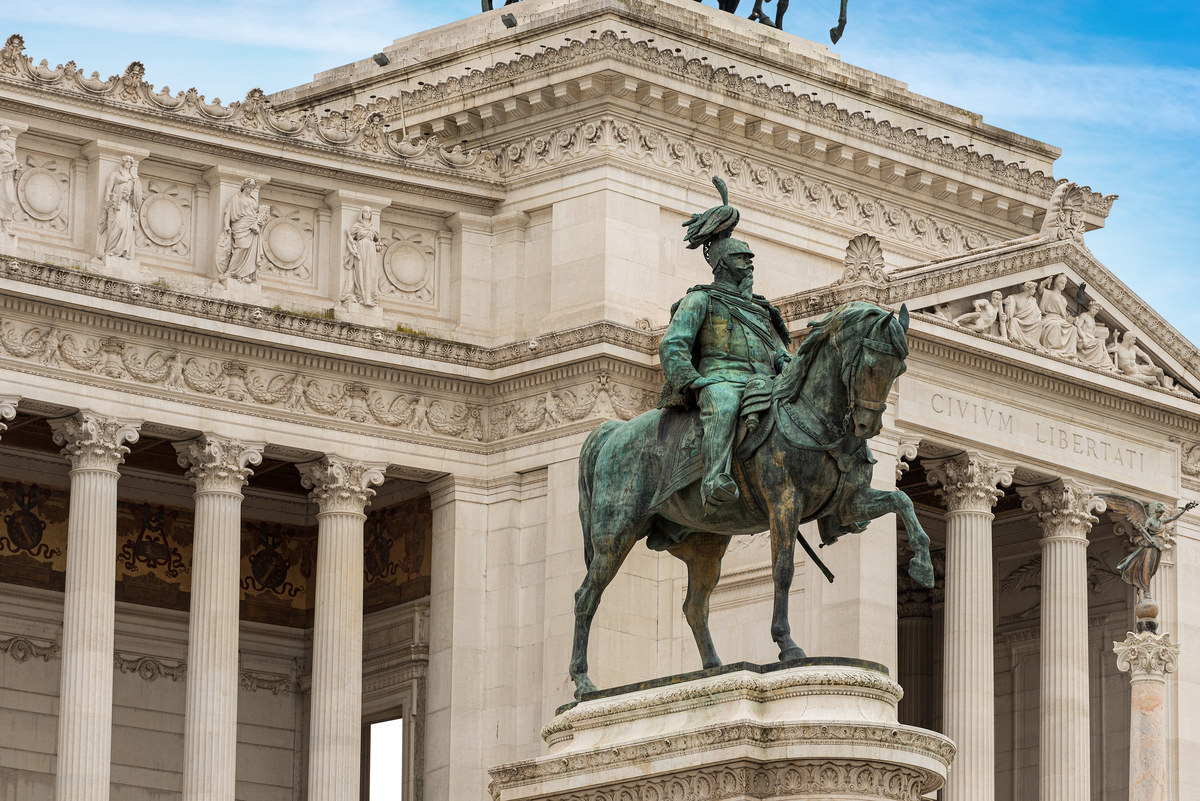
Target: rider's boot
[723,490]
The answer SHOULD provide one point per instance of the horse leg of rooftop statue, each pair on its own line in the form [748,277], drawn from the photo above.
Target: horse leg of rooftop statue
[702,554]
[868,504]
[836,33]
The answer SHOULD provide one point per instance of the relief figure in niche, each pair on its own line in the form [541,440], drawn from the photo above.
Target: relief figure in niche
[241,247]
[984,317]
[1022,317]
[1092,349]
[362,245]
[122,199]
[9,170]
[1135,364]
[1060,336]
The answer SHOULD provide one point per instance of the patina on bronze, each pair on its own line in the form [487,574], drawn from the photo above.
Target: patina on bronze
[757,14]
[799,454]
[1150,523]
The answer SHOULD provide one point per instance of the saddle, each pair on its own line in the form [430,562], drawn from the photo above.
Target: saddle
[681,435]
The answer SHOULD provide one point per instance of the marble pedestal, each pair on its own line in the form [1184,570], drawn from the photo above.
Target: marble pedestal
[817,728]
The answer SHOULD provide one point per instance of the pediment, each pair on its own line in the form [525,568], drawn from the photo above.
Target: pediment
[942,292]
[1125,338]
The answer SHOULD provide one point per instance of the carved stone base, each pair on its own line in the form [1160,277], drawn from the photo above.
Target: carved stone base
[812,729]
[357,313]
[237,290]
[128,269]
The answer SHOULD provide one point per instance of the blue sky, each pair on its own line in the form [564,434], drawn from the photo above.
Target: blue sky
[1115,85]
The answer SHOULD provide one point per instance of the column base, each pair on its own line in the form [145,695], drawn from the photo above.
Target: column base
[800,730]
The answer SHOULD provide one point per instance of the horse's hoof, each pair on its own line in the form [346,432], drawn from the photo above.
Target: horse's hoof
[792,654]
[921,572]
[583,685]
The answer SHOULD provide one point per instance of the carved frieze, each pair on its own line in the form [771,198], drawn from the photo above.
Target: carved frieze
[149,668]
[826,200]
[274,684]
[555,407]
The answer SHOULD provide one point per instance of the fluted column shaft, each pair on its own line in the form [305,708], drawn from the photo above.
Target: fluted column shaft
[95,446]
[218,468]
[1064,762]
[968,488]
[341,488]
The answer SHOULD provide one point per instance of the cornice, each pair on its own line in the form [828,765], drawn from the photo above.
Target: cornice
[258,318]
[457,93]
[250,120]
[790,191]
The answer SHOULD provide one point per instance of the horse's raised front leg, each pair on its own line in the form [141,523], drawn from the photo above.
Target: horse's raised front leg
[702,554]
[868,504]
[610,553]
[784,525]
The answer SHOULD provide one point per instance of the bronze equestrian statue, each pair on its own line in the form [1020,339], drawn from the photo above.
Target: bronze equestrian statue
[687,482]
[758,14]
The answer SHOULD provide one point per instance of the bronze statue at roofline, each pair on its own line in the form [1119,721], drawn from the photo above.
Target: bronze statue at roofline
[746,438]
[757,14]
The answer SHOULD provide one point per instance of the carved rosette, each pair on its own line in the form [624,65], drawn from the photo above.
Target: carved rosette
[341,485]
[93,442]
[1064,509]
[968,481]
[218,464]
[1147,654]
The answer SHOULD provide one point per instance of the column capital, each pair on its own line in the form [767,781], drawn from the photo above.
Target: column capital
[94,442]
[339,484]
[969,480]
[218,464]
[1146,655]
[1064,508]
[8,409]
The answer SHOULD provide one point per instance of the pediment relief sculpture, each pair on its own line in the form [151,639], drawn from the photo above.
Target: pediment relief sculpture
[122,201]
[10,169]
[240,249]
[1045,317]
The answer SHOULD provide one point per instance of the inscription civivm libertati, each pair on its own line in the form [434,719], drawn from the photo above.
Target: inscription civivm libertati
[1039,436]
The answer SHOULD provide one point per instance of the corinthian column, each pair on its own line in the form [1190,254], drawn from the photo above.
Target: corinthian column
[1064,510]
[95,446]
[968,708]
[342,490]
[1147,658]
[218,468]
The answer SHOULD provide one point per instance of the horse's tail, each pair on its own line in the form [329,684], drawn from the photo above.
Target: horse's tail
[587,468]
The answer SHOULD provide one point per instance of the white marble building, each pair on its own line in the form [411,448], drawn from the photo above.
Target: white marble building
[444,273]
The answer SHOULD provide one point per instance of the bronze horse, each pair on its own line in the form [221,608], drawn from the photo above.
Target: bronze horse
[810,461]
[758,14]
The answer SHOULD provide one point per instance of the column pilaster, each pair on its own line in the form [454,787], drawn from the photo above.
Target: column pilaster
[1147,658]
[342,490]
[969,490]
[219,468]
[95,446]
[1064,511]
[457,614]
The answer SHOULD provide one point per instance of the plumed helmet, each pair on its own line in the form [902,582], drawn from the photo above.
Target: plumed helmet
[712,229]
[728,246]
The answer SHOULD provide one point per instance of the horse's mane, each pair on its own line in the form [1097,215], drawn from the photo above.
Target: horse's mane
[846,326]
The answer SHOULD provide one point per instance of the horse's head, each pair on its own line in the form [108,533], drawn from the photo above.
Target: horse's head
[880,360]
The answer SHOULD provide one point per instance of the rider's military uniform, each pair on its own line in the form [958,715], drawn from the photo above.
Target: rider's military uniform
[717,340]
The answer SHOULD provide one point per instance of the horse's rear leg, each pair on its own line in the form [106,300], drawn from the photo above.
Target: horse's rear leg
[610,553]
[868,504]
[702,554]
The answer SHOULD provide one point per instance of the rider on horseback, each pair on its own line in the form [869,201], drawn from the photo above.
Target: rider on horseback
[721,335]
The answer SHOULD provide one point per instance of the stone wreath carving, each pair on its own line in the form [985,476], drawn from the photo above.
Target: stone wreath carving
[781,780]
[824,199]
[149,668]
[22,649]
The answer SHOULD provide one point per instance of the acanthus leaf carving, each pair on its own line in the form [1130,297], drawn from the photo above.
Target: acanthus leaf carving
[22,649]
[149,668]
[1147,653]
[339,484]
